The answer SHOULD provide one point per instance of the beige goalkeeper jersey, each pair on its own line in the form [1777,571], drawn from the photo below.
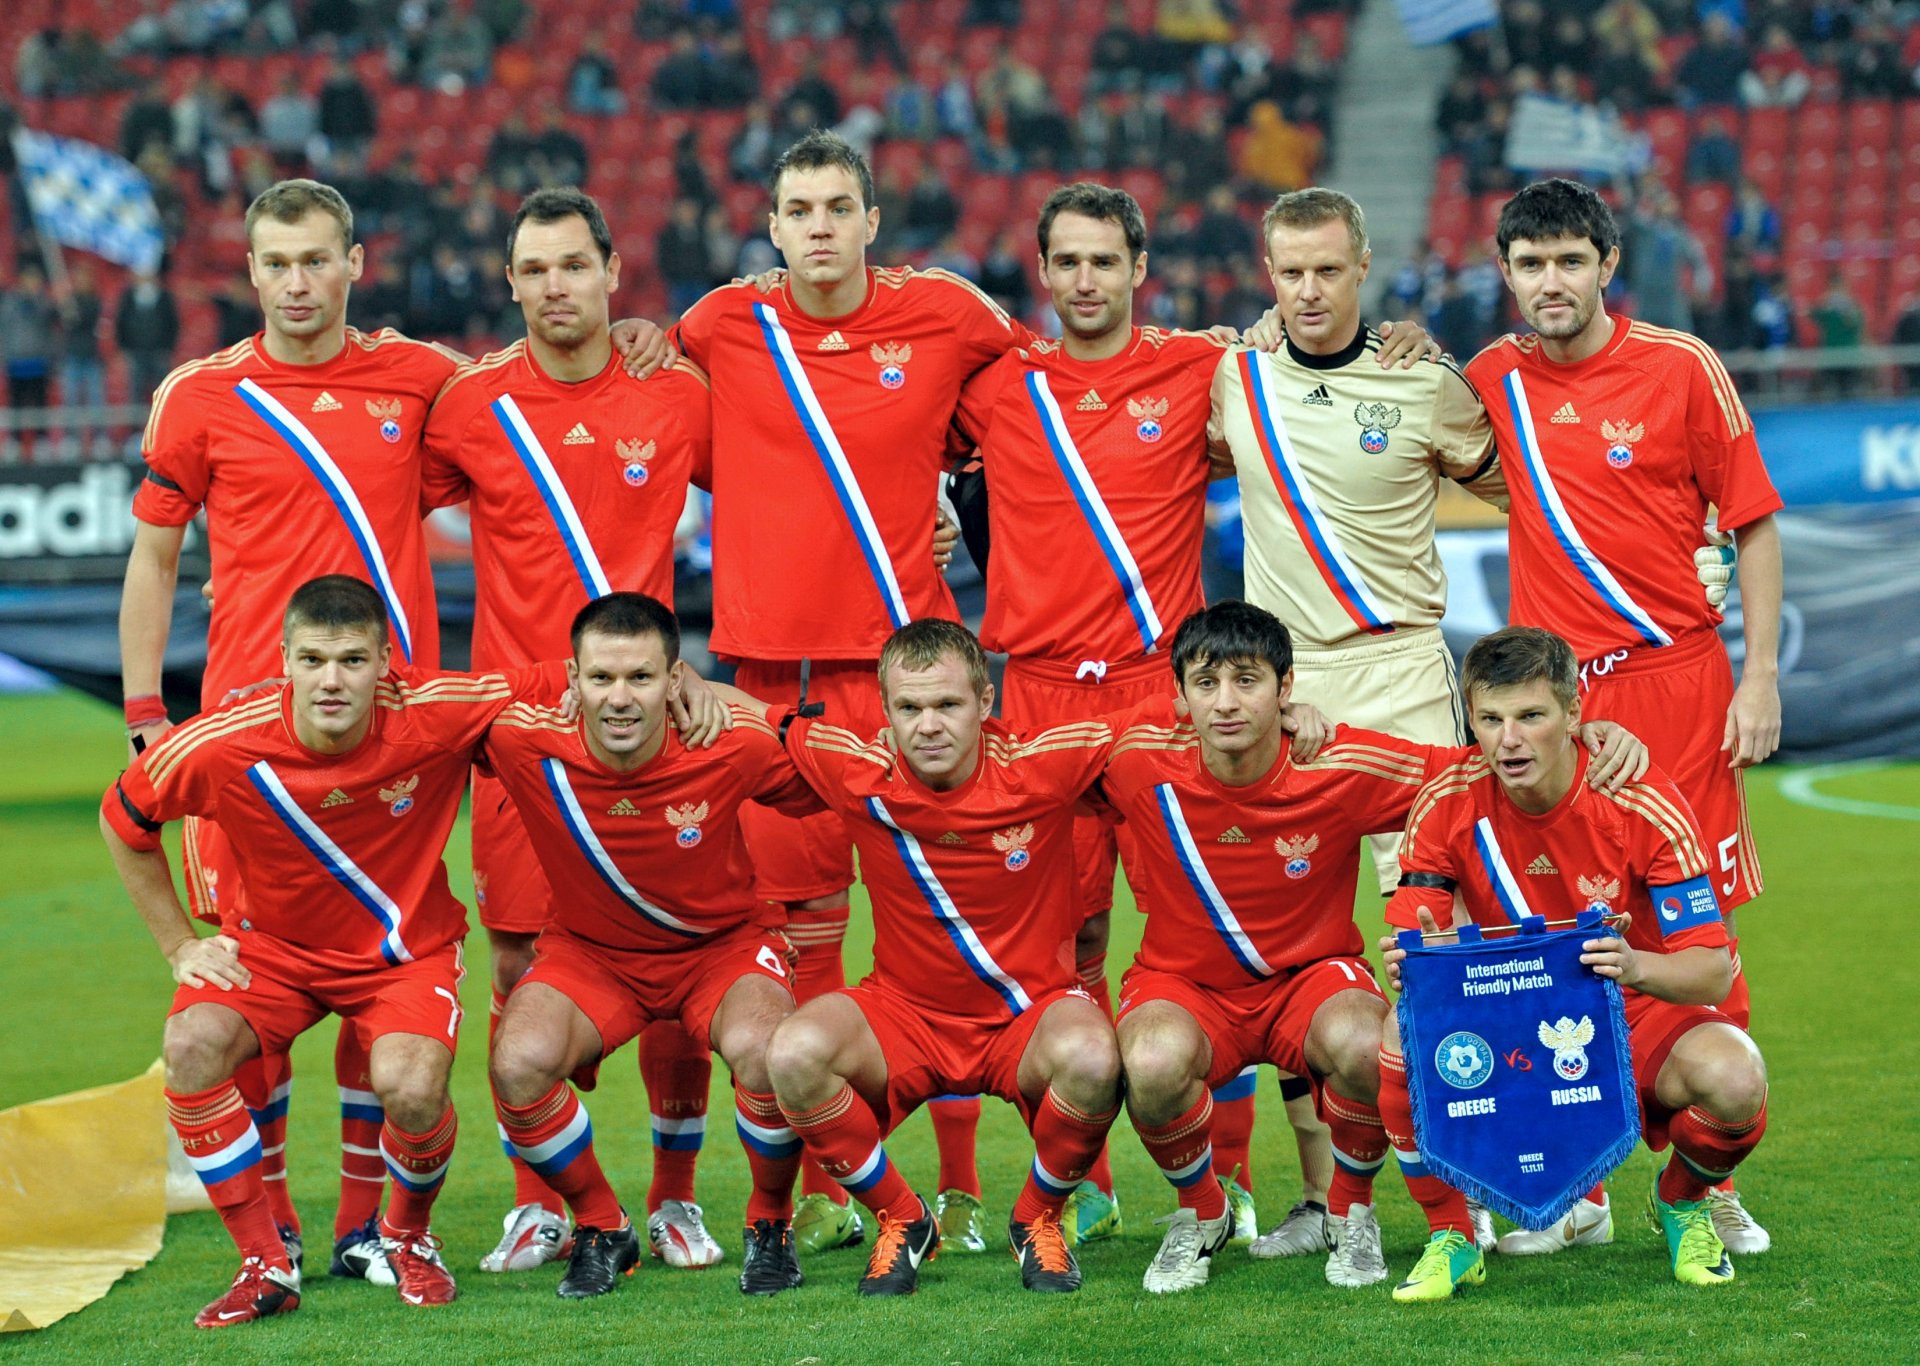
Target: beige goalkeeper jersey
[1339,465]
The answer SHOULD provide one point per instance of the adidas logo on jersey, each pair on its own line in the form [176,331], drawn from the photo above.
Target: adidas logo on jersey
[327,403]
[579,436]
[833,341]
[1542,865]
[1319,398]
[950,839]
[335,797]
[1091,403]
[1233,834]
[1566,415]
[623,807]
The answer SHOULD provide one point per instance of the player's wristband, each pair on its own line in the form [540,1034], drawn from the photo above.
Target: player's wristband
[144,711]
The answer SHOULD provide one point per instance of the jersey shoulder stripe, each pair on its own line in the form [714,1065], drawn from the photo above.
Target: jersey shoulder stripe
[1652,806]
[684,365]
[1453,779]
[943,276]
[478,370]
[237,354]
[746,718]
[1731,408]
[191,735]
[1505,350]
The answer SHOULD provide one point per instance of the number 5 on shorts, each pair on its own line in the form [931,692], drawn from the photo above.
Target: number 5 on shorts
[770,960]
[1728,863]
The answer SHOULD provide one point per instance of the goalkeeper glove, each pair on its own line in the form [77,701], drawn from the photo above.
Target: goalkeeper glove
[1713,563]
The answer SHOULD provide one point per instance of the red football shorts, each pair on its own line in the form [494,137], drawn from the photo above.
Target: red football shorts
[1676,700]
[214,891]
[622,991]
[508,884]
[932,1053]
[1260,1022]
[1653,1028]
[798,858]
[1040,694]
[295,986]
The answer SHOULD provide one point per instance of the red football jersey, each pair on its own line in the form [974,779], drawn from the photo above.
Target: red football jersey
[573,490]
[1636,851]
[829,436]
[340,852]
[1100,463]
[304,470]
[1246,882]
[975,903]
[1612,462]
[651,859]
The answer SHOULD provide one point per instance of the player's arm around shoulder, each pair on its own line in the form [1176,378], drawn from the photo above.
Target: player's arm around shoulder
[1225,395]
[1462,435]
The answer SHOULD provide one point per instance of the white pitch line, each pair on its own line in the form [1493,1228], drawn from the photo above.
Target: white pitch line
[1800,787]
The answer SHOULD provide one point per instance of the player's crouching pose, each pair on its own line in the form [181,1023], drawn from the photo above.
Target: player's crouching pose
[965,837]
[337,791]
[1702,1083]
[654,918]
[1235,970]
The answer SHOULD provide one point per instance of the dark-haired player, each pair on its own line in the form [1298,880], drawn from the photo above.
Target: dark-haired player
[1617,438]
[1512,831]
[575,474]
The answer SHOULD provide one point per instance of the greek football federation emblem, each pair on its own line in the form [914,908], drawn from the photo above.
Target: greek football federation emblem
[685,819]
[1600,893]
[633,457]
[387,411]
[399,797]
[1295,850]
[1620,438]
[1569,1044]
[892,358]
[1463,1060]
[1149,411]
[1376,420]
[1013,843]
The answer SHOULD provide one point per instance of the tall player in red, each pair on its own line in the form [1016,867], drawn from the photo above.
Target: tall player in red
[966,847]
[302,445]
[336,791]
[1618,438]
[833,388]
[653,918]
[575,474]
[1511,831]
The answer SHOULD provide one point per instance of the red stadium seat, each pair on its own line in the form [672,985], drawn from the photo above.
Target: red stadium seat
[1870,124]
[1815,167]
[1767,129]
[1817,127]
[1768,170]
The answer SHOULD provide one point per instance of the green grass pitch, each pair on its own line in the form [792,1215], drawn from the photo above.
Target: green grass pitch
[1835,995]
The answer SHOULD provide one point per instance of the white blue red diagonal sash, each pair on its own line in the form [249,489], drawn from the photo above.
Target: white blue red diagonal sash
[553,493]
[1225,922]
[333,858]
[1094,508]
[964,939]
[313,455]
[1296,496]
[826,445]
[1506,887]
[597,856]
[1572,545]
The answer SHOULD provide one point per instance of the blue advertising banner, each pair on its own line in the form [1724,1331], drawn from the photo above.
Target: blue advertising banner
[1842,453]
[1517,1059]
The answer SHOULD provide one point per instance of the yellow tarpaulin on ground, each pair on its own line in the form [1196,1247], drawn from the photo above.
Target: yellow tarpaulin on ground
[83,1190]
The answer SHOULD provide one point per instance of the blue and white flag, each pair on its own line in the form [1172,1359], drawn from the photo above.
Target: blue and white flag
[1517,1059]
[84,196]
[1435,21]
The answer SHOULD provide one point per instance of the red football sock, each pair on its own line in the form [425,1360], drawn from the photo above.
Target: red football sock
[528,1188]
[1233,1129]
[773,1154]
[224,1147]
[816,937]
[844,1137]
[1092,972]
[1066,1141]
[956,1129]
[418,1165]
[1598,1195]
[268,1092]
[555,1137]
[1706,1150]
[1446,1207]
[1183,1151]
[1359,1149]
[363,1173]
[677,1073]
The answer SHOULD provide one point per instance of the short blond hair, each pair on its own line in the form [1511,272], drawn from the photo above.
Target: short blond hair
[289,201]
[1311,207]
[920,645]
